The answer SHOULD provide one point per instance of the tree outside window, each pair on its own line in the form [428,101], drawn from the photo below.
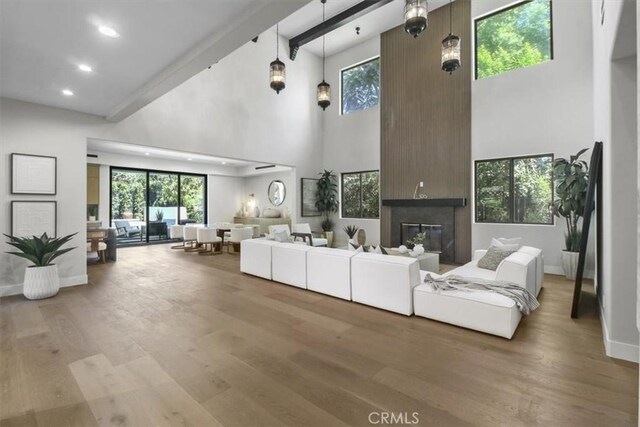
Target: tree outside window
[361,194]
[515,190]
[360,86]
[517,37]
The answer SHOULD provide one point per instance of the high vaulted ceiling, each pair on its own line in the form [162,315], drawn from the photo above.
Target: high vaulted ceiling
[161,44]
[372,24]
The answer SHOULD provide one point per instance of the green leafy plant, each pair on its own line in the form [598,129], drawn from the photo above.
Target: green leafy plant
[41,251]
[351,230]
[417,239]
[327,198]
[571,181]
[159,215]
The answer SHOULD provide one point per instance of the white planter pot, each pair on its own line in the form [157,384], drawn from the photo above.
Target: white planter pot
[570,264]
[353,241]
[41,282]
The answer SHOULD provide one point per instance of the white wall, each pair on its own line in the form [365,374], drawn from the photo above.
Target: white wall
[225,197]
[547,108]
[615,124]
[352,141]
[228,111]
[259,186]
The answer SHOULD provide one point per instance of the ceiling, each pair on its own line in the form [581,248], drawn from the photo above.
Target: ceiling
[372,24]
[161,44]
[122,148]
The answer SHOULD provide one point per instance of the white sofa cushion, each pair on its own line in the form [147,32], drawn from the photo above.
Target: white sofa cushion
[481,311]
[255,257]
[289,264]
[329,272]
[384,281]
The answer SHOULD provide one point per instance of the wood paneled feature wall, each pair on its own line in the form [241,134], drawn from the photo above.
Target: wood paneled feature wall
[425,117]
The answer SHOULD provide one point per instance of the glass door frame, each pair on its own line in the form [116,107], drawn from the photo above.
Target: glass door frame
[147,172]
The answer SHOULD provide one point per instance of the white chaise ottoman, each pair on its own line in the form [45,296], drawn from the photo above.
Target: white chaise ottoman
[289,264]
[329,271]
[384,281]
[255,257]
[481,311]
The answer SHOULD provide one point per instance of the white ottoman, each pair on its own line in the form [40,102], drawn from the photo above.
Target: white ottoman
[481,311]
[384,281]
[289,264]
[255,257]
[329,271]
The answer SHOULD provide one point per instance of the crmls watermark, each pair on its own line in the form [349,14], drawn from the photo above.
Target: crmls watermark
[394,418]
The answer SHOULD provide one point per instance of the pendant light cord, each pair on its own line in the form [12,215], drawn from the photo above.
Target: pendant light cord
[323,5]
[277,40]
[450,24]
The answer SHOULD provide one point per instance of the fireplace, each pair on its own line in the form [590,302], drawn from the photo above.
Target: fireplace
[434,217]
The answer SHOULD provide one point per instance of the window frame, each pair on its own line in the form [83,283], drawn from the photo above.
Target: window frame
[497,12]
[340,78]
[342,215]
[511,190]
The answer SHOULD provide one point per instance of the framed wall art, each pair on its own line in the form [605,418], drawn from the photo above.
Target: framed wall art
[33,174]
[309,197]
[33,218]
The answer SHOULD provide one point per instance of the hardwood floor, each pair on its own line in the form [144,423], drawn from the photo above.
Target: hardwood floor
[164,337]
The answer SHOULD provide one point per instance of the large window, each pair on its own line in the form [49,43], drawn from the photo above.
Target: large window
[360,86]
[512,38]
[145,204]
[361,194]
[516,190]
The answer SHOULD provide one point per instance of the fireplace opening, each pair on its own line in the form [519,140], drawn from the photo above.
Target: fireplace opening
[433,235]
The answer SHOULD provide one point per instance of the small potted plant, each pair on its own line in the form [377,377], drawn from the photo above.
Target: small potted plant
[159,215]
[351,231]
[417,243]
[327,201]
[41,279]
[571,181]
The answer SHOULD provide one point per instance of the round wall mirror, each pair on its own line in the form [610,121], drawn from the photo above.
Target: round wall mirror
[277,192]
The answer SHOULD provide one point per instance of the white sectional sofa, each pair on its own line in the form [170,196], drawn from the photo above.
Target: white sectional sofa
[396,283]
[329,272]
[384,281]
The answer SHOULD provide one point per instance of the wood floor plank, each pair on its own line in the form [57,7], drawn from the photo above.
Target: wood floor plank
[199,343]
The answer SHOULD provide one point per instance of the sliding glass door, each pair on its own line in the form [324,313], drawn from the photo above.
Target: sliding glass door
[145,203]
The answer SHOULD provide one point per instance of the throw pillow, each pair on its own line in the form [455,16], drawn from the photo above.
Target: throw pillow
[358,248]
[496,243]
[509,241]
[492,259]
[281,236]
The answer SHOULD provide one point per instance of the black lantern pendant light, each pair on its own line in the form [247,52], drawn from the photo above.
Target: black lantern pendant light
[415,16]
[324,90]
[277,72]
[451,50]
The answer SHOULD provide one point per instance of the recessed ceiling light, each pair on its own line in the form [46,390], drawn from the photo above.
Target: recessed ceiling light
[189,159]
[147,154]
[85,68]
[67,92]
[108,31]
[224,163]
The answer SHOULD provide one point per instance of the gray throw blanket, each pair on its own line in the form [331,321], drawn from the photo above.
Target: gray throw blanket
[525,301]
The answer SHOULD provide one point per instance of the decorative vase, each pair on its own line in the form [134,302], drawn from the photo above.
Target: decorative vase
[92,218]
[41,282]
[329,236]
[361,235]
[418,249]
[256,212]
[570,264]
[402,249]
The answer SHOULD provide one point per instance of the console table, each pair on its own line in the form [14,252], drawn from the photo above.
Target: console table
[264,223]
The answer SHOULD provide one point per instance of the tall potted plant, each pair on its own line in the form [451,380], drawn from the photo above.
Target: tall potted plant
[571,181]
[327,201]
[41,279]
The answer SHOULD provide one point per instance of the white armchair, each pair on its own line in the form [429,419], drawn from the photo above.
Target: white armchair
[237,235]
[306,229]
[190,236]
[176,232]
[208,239]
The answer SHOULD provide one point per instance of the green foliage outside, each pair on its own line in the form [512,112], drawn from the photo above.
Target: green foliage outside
[361,86]
[361,195]
[530,199]
[128,193]
[516,38]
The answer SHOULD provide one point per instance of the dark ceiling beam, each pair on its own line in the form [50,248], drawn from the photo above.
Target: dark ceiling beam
[333,23]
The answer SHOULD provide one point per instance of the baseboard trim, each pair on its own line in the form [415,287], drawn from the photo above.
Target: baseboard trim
[8,290]
[617,349]
[558,271]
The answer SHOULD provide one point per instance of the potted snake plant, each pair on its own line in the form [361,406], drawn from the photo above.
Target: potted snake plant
[571,178]
[327,201]
[41,279]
